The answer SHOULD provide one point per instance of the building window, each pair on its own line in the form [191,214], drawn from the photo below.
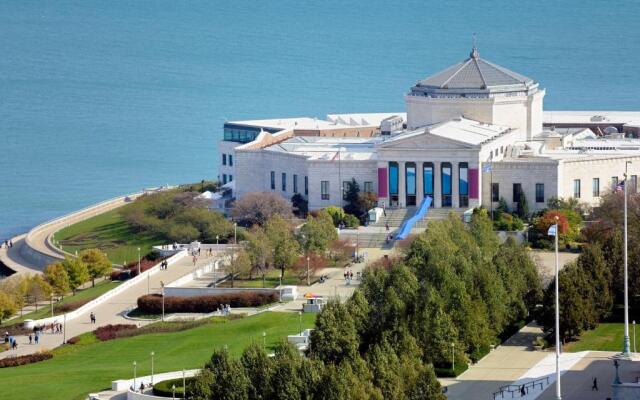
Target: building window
[324,190]
[633,185]
[284,182]
[517,191]
[410,183]
[295,183]
[368,187]
[230,178]
[495,192]
[393,183]
[224,179]
[273,180]
[427,179]
[345,189]
[463,184]
[576,188]
[596,187]
[230,160]
[539,192]
[306,185]
[445,172]
[614,183]
[224,159]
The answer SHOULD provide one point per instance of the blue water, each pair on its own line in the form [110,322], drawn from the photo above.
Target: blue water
[99,99]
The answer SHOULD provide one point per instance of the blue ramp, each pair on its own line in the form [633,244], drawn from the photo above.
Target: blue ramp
[407,225]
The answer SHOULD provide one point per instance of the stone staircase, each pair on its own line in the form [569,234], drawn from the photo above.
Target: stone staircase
[395,217]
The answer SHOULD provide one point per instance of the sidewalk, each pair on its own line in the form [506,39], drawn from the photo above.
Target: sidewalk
[110,312]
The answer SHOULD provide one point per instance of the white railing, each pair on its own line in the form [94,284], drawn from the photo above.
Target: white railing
[124,384]
[106,296]
[210,267]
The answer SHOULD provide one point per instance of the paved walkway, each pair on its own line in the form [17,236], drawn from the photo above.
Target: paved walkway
[12,258]
[502,366]
[110,312]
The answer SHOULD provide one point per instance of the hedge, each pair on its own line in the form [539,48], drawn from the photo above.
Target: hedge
[163,389]
[26,359]
[110,332]
[152,303]
[448,372]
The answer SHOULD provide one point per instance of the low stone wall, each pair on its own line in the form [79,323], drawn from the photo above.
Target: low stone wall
[210,291]
[124,384]
[111,293]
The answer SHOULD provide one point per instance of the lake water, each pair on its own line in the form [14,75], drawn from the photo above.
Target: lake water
[99,99]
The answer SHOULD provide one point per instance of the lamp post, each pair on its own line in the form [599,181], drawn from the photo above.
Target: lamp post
[51,306]
[162,289]
[135,366]
[308,282]
[217,238]
[184,385]
[300,321]
[235,233]
[634,335]
[64,330]
[152,354]
[625,347]
[173,391]
[453,357]
[558,387]
[264,340]
[138,260]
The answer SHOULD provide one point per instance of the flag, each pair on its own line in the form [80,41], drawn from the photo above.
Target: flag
[620,187]
[552,230]
[486,167]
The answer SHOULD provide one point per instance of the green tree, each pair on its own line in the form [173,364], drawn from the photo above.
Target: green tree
[285,247]
[336,213]
[351,197]
[8,306]
[98,265]
[229,381]
[300,205]
[285,382]
[523,206]
[38,289]
[182,233]
[335,337]
[318,232]
[258,368]
[77,272]
[200,388]
[239,264]
[57,276]
[259,250]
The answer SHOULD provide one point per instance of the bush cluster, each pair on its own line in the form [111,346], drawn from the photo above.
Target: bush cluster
[203,304]
[73,305]
[131,270]
[73,340]
[110,332]
[26,359]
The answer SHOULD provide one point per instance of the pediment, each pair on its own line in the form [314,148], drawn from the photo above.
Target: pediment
[426,140]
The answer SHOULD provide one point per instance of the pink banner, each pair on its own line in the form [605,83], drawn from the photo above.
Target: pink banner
[473,183]
[382,182]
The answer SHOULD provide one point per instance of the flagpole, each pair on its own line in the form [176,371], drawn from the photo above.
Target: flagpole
[626,345]
[558,389]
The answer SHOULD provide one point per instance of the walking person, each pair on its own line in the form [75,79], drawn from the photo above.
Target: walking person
[37,337]
[594,387]
[92,316]
[523,392]
[30,339]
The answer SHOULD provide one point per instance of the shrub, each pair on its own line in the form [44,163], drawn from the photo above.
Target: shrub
[203,304]
[351,221]
[448,372]
[73,340]
[163,388]
[73,305]
[23,360]
[110,332]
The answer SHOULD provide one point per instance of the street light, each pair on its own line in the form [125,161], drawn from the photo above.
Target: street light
[173,390]
[152,354]
[453,357]
[51,306]
[300,321]
[308,283]
[625,347]
[264,340]
[162,289]
[184,385]
[64,330]
[235,233]
[217,238]
[135,366]
[138,260]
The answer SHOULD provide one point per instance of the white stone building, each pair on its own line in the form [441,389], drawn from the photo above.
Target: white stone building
[472,134]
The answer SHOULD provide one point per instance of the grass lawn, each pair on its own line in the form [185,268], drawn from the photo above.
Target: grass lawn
[110,233]
[272,280]
[88,293]
[79,369]
[606,337]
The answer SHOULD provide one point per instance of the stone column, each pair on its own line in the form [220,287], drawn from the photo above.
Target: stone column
[402,190]
[455,185]
[437,185]
[419,183]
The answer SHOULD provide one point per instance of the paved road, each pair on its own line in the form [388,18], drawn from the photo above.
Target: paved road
[110,312]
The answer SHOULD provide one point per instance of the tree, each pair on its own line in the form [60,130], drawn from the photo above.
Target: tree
[300,205]
[335,337]
[259,249]
[38,289]
[523,206]
[351,197]
[58,278]
[366,201]
[258,368]
[77,272]
[16,287]
[336,213]
[182,233]
[257,208]
[229,379]
[8,306]
[285,247]
[318,232]
[239,263]
[98,265]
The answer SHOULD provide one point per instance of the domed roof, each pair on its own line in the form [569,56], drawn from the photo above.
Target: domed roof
[475,75]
